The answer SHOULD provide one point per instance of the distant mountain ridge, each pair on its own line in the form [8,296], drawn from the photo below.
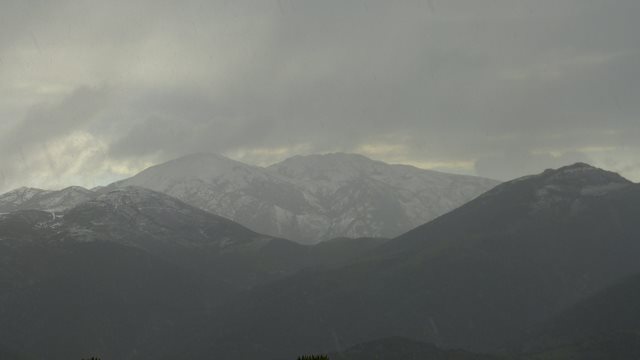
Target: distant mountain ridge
[313,198]
[116,274]
[130,216]
[133,273]
[475,278]
[26,198]
[306,199]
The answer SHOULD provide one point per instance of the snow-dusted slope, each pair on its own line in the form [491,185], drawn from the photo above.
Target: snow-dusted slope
[264,202]
[313,198]
[13,199]
[363,197]
[132,216]
[145,218]
[46,200]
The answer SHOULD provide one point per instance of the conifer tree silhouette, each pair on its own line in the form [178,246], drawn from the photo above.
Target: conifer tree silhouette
[313,357]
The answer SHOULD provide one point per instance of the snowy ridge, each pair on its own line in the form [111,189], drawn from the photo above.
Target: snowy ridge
[13,199]
[566,187]
[45,200]
[305,198]
[132,216]
[313,198]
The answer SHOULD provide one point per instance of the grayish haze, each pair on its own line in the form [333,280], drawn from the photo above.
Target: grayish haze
[93,91]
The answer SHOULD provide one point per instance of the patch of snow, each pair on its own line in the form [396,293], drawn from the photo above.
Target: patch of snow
[312,198]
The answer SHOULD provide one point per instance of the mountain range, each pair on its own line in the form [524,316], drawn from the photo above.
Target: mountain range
[476,278]
[306,199]
[540,267]
[132,263]
[25,198]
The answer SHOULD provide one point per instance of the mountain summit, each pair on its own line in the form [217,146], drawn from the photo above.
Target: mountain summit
[476,278]
[313,198]
[25,198]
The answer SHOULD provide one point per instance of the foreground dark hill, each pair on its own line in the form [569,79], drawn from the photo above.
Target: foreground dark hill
[109,276]
[182,234]
[7,354]
[619,346]
[395,348]
[605,323]
[102,298]
[475,278]
[121,275]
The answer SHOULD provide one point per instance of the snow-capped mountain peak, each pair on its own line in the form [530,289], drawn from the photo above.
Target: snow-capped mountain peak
[305,198]
[313,198]
[13,199]
[47,200]
[192,169]
[327,167]
[565,189]
[583,175]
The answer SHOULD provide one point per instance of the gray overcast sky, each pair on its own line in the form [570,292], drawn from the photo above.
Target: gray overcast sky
[93,91]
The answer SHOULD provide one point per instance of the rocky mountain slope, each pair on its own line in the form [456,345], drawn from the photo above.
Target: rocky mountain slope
[46,200]
[476,278]
[132,273]
[313,198]
[124,273]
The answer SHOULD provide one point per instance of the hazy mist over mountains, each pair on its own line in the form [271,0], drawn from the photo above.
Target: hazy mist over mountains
[319,180]
[510,272]
[305,199]
[316,197]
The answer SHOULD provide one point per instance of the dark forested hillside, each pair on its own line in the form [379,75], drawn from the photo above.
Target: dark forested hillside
[135,274]
[475,278]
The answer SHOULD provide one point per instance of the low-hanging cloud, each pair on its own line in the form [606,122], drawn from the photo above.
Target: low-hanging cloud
[494,88]
[46,122]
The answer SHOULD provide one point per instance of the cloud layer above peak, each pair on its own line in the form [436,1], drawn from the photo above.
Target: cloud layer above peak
[92,91]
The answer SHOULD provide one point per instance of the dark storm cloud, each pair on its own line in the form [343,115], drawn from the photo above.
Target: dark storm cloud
[45,122]
[496,88]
